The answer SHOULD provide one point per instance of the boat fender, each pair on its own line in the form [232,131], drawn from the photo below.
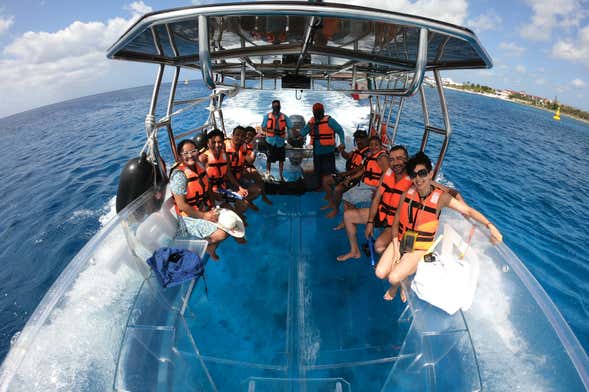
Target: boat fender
[201,141]
[136,178]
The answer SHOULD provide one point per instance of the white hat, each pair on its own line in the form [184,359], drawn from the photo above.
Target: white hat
[231,223]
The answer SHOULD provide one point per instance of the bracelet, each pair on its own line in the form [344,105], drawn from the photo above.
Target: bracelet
[370,222]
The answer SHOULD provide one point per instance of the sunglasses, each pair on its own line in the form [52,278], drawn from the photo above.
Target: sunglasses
[188,153]
[421,173]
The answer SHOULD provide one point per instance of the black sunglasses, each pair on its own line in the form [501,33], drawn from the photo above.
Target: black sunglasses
[421,173]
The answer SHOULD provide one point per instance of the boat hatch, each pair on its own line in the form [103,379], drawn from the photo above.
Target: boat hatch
[298,44]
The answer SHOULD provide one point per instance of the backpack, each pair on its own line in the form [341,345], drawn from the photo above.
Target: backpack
[174,266]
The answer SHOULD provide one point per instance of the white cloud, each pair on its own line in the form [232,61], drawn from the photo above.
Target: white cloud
[511,48]
[61,65]
[488,21]
[520,68]
[578,83]
[575,50]
[5,23]
[138,8]
[453,11]
[549,15]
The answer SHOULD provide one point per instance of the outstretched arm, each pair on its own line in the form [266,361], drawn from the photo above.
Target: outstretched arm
[447,199]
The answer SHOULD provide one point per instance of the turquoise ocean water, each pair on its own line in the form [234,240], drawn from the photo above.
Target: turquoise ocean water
[60,166]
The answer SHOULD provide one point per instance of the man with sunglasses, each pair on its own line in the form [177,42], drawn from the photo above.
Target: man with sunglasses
[381,213]
[416,223]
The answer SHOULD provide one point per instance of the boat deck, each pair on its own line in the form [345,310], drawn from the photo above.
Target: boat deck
[281,306]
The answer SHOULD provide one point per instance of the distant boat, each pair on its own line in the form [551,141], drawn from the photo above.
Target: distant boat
[557,114]
[185,81]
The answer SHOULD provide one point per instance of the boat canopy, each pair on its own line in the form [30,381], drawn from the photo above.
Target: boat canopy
[299,43]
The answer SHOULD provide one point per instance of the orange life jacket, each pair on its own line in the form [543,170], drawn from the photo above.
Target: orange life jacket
[237,158]
[391,191]
[196,189]
[356,159]
[216,168]
[326,133]
[372,171]
[420,217]
[249,152]
[270,125]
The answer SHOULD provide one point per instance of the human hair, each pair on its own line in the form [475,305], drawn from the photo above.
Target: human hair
[419,159]
[214,133]
[360,134]
[238,128]
[250,129]
[183,143]
[399,147]
[276,101]
[375,138]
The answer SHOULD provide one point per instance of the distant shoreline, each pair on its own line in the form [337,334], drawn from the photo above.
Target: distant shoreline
[520,102]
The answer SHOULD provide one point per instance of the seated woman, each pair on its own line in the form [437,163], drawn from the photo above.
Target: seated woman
[416,223]
[250,172]
[191,190]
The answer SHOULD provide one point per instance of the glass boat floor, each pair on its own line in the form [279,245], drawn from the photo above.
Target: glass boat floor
[281,308]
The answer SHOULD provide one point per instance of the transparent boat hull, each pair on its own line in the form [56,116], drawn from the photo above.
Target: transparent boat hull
[282,314]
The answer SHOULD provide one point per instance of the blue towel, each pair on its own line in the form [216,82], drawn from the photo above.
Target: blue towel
[174,266]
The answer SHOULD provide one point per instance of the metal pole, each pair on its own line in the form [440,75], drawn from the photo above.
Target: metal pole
[150,117]
[169,112]
[203,52]
[420,63]
[425,118]
[447,124]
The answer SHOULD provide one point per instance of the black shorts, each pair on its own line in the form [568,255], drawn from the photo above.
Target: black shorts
[276,153]
[324,164]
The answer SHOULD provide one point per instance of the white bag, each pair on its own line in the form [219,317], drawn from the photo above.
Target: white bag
[448,283]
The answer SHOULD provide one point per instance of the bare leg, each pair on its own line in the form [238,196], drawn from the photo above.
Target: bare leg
[351,219]
[281,170]
[214,239]
[336,200]
[383,240]
[253,174]
[385,263]
[325,184]
[406,266]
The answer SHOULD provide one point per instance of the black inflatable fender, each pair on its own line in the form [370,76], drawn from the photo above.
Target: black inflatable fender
[137,176]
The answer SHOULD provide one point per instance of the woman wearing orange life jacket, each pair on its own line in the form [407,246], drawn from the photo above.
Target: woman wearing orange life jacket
[237,154]
[191,192]
[218,168]
[416,223]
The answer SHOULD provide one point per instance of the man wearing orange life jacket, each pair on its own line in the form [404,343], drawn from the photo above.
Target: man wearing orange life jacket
[374,165]
[352,176]
[381,213]
[237,153]
[192,198]
[218,169]
[250,172]
[416,224]
[276,124]
[323,130]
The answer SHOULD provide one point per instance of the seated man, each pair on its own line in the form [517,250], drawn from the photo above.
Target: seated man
[354,168]
[374,165]
[192,198]
[218,170]
[250,172]
[381,213]
[237,153]
[416,224]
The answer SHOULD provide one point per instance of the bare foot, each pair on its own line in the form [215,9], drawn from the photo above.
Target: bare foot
[332,214]
[351,255]
[403,295]
[390,294]
[213,255]
[326,207]
[266,200]
[241,240]
[253,206]
[339,226]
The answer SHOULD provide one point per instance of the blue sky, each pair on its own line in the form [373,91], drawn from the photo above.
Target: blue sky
[55,50]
